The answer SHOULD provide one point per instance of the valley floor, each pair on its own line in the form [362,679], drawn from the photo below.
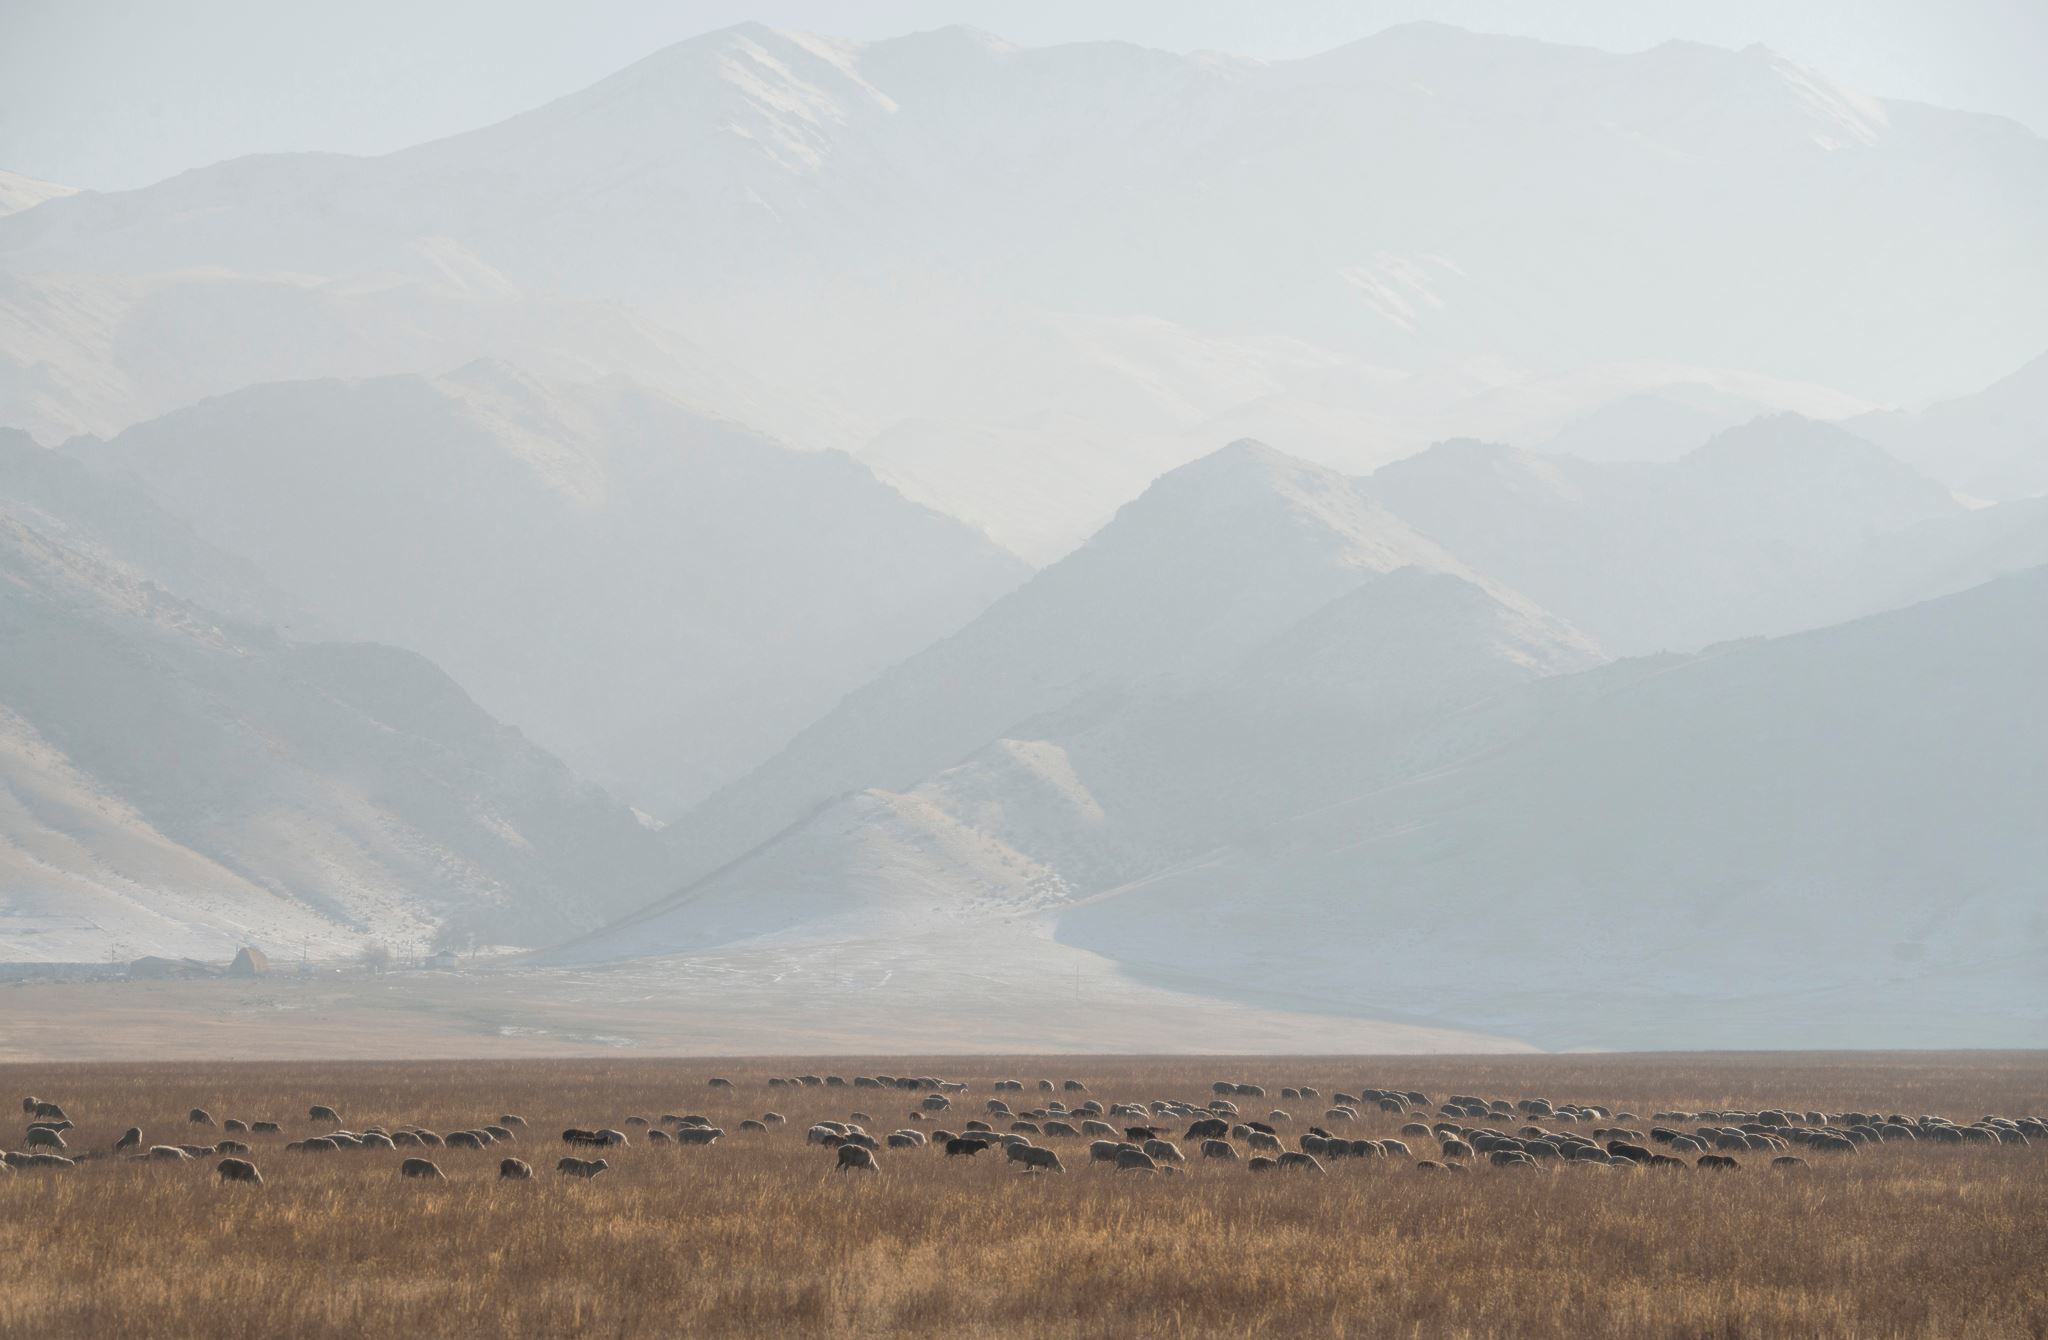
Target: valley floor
[757,1235]
[1009,989]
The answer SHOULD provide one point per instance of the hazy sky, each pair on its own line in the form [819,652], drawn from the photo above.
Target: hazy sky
[112,93]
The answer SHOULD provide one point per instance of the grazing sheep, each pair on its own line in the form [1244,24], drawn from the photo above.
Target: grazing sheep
[1208,1128]
[1163,1151]
[167,1154]
[717,1082]
[406,1139]
[36,1107]
[238,1170]
[1260,1164]
[576,1135]
[658,1136]
[1299,1162]
[130,1138]
[319,1144]
[514,1170]
[199,1116]
[1134,1160]
[321,1112]
[1787,1162]
[463,1140]
[231,1147]
[751,1125]
[697,1135]
[421,1168]
[965,1147]
[501,1133]
[265,1128]
[1218,1149]
[857,1156]
[38,1161]
[1718,1162]
[1034,1158]
[234,1127]
[42,1137]
[584,1168]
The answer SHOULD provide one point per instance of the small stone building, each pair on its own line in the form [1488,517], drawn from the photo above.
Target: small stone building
[249,962]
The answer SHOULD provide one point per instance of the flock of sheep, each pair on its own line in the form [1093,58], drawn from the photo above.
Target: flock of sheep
[1458,1132]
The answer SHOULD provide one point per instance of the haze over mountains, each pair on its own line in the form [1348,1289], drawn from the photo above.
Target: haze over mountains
[1500,540]
[895,247]
[662,596]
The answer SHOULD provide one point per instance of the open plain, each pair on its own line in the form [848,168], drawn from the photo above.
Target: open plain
[758,1233]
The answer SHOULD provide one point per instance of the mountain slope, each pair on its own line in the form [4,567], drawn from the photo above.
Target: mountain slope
[662,597]
[1738,537]
[18,192]
[1657,848]
[1991,445]
[973,866]
[176,783]
[1213,559]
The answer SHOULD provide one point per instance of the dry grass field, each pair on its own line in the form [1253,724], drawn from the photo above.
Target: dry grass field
[758,1235]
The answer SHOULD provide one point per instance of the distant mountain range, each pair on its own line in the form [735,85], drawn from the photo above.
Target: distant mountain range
[660,596]
[1027,281]
[1457,532]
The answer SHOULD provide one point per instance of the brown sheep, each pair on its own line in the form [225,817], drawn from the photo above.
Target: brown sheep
[1299,1162]
[1134,1160]
[1034,1158]
[422,1168]
[1218,1149]
[130,1138]
[238,1170]
[514,1170]
[322,1112]
[265,1128]
[584,1168]
[234,1127]
[199,1116]
[857,1156]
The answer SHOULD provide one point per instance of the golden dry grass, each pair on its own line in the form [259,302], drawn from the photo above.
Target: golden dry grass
[757,1235]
